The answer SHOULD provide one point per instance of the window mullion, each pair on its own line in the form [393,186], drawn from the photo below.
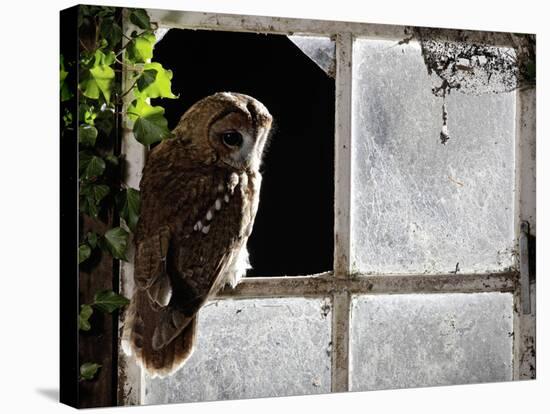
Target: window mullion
[524,360]
[130,386]
[342,210]
[342,195]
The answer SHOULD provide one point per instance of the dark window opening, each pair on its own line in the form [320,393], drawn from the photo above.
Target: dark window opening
[293,231]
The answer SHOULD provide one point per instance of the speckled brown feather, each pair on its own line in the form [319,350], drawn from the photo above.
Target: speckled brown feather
[184,189]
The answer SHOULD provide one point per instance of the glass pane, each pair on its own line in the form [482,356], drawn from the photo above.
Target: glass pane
[422,202]
[320,49]
[253,348]
[400,341]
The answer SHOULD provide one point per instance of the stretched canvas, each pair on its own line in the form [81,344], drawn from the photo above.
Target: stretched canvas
[264,206]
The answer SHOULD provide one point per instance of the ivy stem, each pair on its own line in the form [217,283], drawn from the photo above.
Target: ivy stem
[124,47]
[83,45]
[130,67]
[96,21]
[129,90]
[126,70]
[127,113]
[128,42]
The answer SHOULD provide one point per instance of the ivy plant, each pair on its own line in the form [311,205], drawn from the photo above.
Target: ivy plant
[88,370]
[106,53]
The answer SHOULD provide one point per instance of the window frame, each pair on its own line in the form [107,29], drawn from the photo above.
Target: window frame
[341,283]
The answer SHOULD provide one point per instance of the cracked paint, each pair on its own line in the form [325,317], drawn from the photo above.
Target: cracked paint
[471,68]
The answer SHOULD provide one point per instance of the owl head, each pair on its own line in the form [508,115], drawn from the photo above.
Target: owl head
[228,129]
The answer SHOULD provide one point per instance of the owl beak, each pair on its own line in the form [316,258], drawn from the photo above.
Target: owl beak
[238,160]
[247,160]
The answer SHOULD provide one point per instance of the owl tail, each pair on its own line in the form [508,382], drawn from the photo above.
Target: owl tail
[142,325]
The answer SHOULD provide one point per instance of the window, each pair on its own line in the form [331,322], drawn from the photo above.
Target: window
[429,279]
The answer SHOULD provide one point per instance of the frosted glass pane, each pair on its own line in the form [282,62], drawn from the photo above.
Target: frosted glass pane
[418,204]
[320,49]
[400,341]
[253,348]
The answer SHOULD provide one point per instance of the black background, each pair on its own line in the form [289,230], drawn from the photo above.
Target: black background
[293,232]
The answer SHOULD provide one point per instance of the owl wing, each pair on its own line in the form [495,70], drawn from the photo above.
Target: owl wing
[192,223]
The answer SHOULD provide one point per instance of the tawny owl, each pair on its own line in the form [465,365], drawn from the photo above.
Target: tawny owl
[200,193]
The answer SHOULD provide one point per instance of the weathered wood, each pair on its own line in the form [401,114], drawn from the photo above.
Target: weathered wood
[525,351]
[129,372]
[99,272]
[290,26]
[96,345]
[342,213]
[340,341]
[325,285]
[343,157]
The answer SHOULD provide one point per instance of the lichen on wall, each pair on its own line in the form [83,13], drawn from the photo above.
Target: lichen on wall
[473,64]
[476,65]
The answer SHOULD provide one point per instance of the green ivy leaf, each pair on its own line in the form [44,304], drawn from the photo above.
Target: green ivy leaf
[99,11]
[84,10]
[67,118]
[112,159]
[147,77]
[128,202]
[88,207]
[159,87]
[91,196]
[84,317]
[97,191]
[88,370]
[111,31]
[108,301]
[87,113]
[150,125]
[116,241]
[87,135]
[66,93]
[90,166]
[151,128]
[140,49]
[98,80]
[84,251]
[140,18]
[62,72]
[92,239]
[104,121]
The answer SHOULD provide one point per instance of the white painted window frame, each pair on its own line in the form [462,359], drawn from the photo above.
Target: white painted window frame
[341,283]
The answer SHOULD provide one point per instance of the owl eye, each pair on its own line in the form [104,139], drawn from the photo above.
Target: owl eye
[232,138]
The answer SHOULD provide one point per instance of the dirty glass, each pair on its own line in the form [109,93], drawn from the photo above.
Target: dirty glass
[253,348]
[320,49]
[433,162]
[416,340]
